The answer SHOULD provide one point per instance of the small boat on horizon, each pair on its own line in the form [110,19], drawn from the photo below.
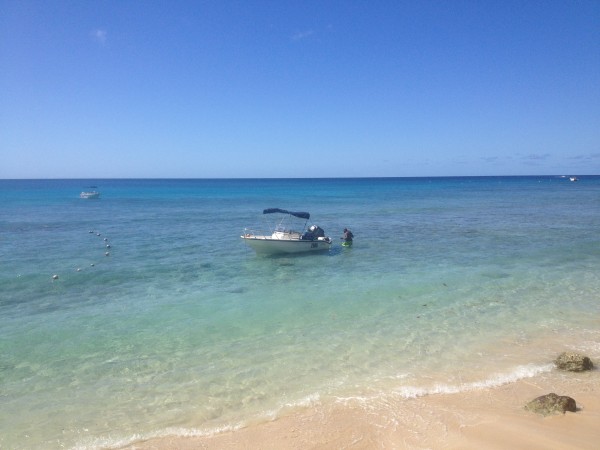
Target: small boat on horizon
[573,179]
[89,194]
[283,239]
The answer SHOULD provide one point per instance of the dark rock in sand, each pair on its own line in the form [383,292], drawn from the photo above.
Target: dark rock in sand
[551,404]
[573,362]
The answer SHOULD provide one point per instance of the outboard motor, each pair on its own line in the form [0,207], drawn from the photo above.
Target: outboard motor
[316,231]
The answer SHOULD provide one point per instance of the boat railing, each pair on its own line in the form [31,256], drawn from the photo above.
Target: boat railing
[286,235]
[250,232]
[278,233]
[257,232]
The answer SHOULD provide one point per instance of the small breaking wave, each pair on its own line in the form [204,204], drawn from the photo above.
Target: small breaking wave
[120,442]
[496,380]
[113,442]
[305,402]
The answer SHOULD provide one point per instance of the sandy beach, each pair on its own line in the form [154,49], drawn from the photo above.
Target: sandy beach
[489,418]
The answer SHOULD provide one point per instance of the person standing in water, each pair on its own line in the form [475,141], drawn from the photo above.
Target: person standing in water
[347,238]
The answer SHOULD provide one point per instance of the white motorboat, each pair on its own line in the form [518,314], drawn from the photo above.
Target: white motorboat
[573,179]
[283,239]
[89,194]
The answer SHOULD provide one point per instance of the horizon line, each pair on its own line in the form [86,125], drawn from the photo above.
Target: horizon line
[299,178]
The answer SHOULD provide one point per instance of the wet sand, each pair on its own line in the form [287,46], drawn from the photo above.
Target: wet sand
[492,418]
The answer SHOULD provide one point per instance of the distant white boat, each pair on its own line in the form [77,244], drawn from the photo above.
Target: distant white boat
[89,194]
[285,240]
[573,179]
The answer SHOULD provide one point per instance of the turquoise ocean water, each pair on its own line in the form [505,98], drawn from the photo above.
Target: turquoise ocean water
[183,330]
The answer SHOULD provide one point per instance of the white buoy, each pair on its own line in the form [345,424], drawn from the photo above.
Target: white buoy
[55,277]
[78,269]
[107,245]
[92,264]
[107,254]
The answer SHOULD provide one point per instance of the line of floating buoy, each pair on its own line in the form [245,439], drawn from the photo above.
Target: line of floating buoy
[106,253]
[107,245]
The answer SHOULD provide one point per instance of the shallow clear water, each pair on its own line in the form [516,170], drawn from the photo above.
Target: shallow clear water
[181,328]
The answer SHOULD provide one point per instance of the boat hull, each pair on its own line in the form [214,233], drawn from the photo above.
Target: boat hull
[268,246]
[88,195]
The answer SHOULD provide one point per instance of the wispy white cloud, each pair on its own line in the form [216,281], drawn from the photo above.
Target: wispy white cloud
[99,35]
[537,156]
[589,156]
[490,159]
[302,35]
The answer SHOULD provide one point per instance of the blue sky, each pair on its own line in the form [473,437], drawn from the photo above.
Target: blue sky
[212,89]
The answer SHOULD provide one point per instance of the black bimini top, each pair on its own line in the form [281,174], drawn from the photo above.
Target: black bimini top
[301,215]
